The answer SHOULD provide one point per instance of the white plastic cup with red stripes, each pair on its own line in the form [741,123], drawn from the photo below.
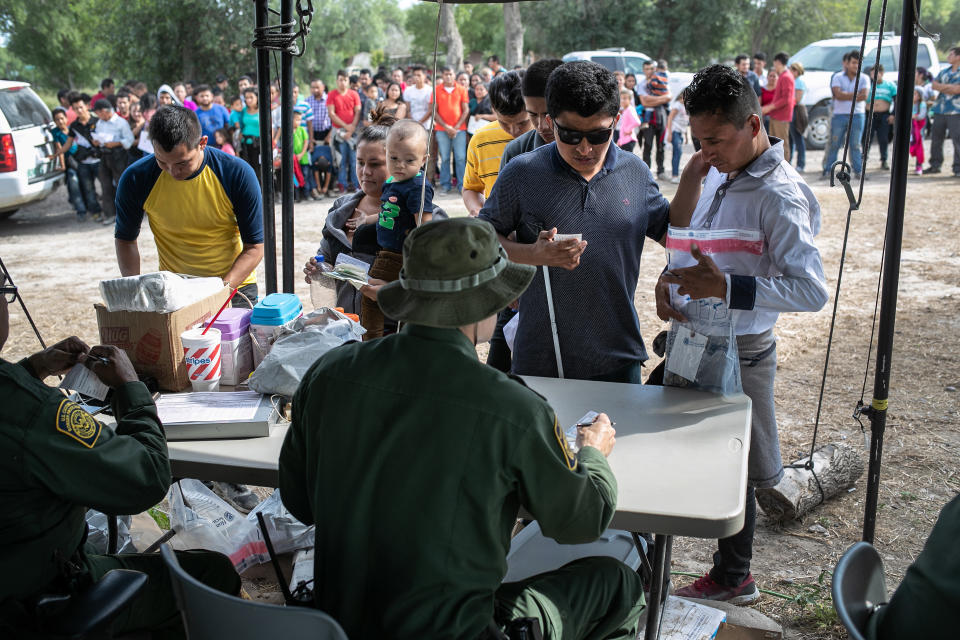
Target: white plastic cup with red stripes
[202,356]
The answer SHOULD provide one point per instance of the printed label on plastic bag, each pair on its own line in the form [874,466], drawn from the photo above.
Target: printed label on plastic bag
[684,359]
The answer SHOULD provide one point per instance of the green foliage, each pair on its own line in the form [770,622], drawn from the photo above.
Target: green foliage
[481,27]
[161,518]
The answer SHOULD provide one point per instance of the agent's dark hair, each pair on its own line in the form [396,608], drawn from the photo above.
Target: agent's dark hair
[783,58]
[760,55]
[740,58]
[106,82]
[721,90]
[585,88]
[378,128]
[505,96]
[173,125]
[200,88]
[534,83]
[853,54]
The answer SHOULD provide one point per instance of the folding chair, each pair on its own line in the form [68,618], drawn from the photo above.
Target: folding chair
[859,588]
[208,613]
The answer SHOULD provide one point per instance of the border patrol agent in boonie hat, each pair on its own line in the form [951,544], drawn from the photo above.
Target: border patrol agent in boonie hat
[454,273]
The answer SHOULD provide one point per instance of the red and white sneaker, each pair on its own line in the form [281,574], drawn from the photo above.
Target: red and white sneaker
[706,589]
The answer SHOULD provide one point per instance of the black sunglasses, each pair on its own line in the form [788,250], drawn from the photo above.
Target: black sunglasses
[574,136]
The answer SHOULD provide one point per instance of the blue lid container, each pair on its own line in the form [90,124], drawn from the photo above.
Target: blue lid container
[276,309]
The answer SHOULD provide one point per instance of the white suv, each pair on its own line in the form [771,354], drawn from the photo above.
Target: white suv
[823,58]
[25,142]
[618,59]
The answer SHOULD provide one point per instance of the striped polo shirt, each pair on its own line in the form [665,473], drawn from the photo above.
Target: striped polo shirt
[597,324]
[483,158]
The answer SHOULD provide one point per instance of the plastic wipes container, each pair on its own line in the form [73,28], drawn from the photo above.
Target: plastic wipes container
[236,352]
[269,317]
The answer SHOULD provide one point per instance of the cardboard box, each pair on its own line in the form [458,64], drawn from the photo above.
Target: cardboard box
[152,340]
[730,631]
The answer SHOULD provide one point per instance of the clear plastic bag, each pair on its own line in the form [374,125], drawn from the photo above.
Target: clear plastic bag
[204,521]
[98,533]
[702,352]
[286,533]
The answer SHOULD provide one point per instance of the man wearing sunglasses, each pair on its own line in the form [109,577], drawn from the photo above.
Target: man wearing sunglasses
[58,461]
[582,184]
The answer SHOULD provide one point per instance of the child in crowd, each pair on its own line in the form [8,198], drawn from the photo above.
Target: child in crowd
[659,82]
[303,177]
[916,133]
[399,211]
[224,140]
[629,122]
[676,129]
[370,101]
[321,164]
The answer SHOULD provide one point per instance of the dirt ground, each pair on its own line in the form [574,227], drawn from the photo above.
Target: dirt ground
[58,263]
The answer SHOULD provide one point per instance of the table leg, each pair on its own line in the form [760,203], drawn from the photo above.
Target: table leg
[657,591]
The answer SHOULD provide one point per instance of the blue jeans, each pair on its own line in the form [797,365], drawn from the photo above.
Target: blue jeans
[676,142]
[348,166]
[87,177]
[74,195]
[797,142]
[838,134]
[459,145]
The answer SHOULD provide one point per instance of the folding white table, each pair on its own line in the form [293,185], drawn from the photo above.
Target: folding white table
[680,461]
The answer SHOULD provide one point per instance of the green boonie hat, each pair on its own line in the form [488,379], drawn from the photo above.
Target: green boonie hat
[454,273]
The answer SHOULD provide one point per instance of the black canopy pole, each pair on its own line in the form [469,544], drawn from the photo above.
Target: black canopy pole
[286,147]
[891,261]
[266,153]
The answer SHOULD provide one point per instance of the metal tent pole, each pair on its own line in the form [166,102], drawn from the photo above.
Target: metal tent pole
[891,261]
[266,153]
[286,147]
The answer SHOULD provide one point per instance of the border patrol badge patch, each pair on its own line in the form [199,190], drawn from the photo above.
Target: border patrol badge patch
[568,456]
[78,424]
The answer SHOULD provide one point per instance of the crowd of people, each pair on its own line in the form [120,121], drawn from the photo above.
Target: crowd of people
[560,206]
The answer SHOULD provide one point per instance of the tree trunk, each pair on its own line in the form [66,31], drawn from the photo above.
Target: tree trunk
[450,36]
[513,31]
[837,467]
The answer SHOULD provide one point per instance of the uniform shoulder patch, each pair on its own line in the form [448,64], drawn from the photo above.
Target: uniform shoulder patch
[568,455]
[78,424]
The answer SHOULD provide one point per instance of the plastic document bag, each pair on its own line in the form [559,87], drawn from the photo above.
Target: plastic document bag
[702,352]
[203,521]
[160,292]
[286,533]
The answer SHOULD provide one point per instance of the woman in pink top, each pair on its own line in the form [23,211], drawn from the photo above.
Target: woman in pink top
[629,122]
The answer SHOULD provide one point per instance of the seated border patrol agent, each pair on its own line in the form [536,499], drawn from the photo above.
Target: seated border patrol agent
[415,495]
[57,461]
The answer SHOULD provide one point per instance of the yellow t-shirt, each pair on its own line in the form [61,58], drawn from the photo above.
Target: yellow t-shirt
[483,158]
[199,224]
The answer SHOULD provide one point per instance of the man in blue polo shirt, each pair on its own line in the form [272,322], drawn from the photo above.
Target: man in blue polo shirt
[581,184]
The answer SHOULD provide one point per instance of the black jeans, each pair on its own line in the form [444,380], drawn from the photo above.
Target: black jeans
[881,131]
[87,177]
[500,357]
[112,164]
[653,134]
[731,562]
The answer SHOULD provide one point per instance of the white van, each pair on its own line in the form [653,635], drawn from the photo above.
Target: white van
[25,142]
[823,58]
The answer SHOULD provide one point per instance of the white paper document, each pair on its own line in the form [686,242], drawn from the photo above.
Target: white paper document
[685,620]
[84,382]
[208,406]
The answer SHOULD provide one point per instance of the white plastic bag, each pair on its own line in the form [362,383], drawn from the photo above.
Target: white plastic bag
[160,292]
[203,521]
[98,532]
[286,532]
[293,353]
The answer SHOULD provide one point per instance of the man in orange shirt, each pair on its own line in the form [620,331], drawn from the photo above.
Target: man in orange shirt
[453,108]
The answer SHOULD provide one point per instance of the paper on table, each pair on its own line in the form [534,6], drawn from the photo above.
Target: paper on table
[208,406]
[85,382]
[685,620]
[572,432]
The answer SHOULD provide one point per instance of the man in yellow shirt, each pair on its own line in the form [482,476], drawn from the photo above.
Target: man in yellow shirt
[203,206]
[487,144]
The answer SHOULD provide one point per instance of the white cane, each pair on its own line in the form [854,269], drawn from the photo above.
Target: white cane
[553,320]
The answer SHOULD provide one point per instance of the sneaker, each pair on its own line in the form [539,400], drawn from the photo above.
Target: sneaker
[97,217]
[919,171]
[706,589]
[331,193]
[237,495]
[884,165]
[81,217]
[108,221]
[933,169]
[675,180]
[661,176]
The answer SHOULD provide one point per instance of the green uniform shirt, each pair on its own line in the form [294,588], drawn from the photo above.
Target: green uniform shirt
[56,460]
[412,458]
[927,603]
